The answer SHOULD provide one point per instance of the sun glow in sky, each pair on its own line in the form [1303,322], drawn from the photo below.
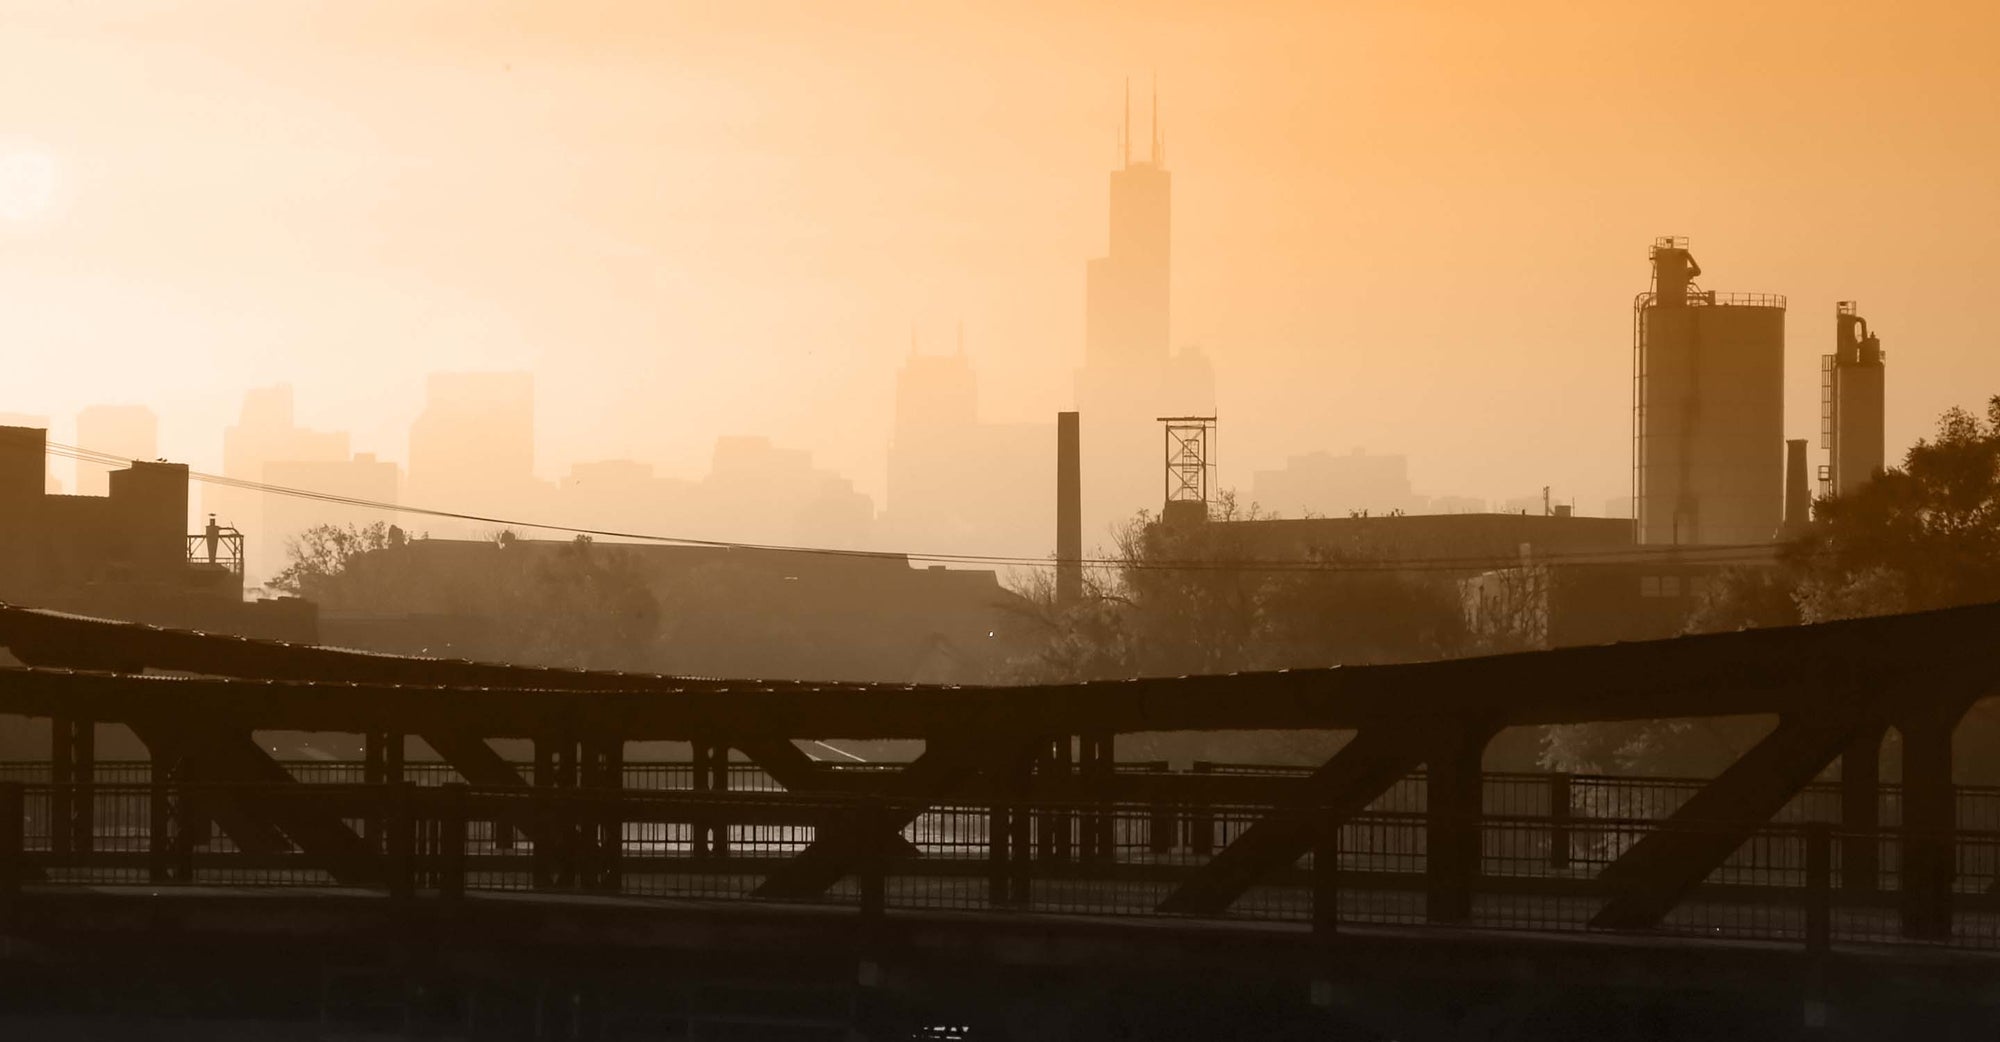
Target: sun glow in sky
[27,185]
[1415,226]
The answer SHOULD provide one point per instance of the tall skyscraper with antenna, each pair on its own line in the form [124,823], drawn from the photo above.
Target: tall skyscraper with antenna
[1126,291]
[1131,374]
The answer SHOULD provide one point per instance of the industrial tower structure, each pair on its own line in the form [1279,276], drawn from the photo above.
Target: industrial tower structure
[1708,446]
[1850,405]
[1190,468]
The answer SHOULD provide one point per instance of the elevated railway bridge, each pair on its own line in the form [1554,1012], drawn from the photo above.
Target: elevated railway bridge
[1014,879]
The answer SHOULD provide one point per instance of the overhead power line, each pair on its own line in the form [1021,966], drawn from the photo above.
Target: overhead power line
[1708,554]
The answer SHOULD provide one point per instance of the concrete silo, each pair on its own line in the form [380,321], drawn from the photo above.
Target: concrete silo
[1708,409]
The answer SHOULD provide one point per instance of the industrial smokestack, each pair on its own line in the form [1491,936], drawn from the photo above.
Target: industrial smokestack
[1798,502]
[1069,510]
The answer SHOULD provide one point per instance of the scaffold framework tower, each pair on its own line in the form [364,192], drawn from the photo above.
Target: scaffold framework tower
[1190,460]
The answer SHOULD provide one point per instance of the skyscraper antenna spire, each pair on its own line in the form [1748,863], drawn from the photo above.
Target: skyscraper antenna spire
[1125,149]
[1154,152]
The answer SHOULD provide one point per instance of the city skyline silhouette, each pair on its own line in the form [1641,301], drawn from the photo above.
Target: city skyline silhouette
[647,214]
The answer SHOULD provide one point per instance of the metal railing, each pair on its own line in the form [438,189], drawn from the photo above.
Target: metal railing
[1505,792]
[1791,880]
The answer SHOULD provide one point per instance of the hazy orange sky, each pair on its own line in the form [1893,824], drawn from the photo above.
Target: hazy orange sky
[1410,226]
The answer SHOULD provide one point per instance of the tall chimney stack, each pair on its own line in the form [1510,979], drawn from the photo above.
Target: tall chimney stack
[1069,510]
[1798,502]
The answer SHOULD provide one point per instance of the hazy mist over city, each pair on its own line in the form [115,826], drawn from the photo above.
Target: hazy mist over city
[1414,228]
[1415,521]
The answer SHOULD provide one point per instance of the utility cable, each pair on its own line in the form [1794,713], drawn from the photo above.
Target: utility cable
[1705,554]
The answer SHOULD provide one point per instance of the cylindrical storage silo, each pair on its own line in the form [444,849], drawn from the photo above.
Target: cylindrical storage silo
[1709,451]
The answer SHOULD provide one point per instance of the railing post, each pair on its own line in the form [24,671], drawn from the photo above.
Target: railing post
[1326,879]
[1819,887]
[703,840]
[1559,810]
[869,1013]
[541,813]
[392,758]
[997,826]
[13,856]
[191,827]
[159,828]
[373,772]
[1020,874]
[1200,819]
[83,806]
[1062,774]
[1098,766]
[1162,821]
[402,837]
[874,859]
[608,770]
[62,775]
[452,809]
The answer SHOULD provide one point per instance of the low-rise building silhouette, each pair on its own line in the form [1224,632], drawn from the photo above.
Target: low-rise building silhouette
[711,611]
[126,554]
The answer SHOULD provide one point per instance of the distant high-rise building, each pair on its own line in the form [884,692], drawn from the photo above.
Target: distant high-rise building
[1851,390]
[625,495]
[761,493]
[1127,299]
[131,431]
[956,483]
[1708,445]
[266,433]
[285,518]
[473,447]
[1130,376]
[1324,484]
[754,492]
[1463,505]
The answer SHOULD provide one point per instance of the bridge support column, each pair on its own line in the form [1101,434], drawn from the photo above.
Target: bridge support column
[1096,761]
[1053,770]
[1020,779]
[604,771]
[72,772]
[1200,820]
[1454,796]
[1010,834]
[381,764]
[711,774]
[176,820]
[1929,817]
[556,839]
[1860,810]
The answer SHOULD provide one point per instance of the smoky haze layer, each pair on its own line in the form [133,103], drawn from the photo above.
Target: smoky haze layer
[706,235]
